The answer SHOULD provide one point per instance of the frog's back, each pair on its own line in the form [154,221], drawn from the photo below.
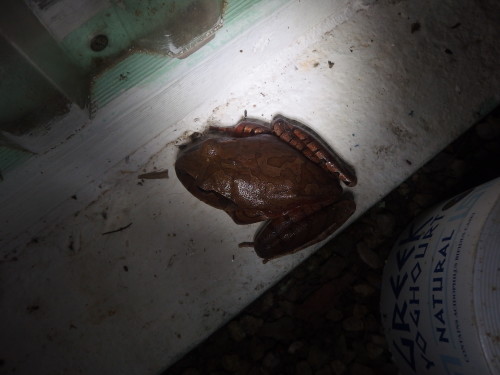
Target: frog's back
[263,177]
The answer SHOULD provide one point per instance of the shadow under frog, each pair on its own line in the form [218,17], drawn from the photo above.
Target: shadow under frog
[281,173]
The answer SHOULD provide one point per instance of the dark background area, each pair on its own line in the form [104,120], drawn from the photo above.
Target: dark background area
[323,318]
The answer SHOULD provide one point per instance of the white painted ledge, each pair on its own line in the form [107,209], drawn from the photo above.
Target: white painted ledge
[134,301]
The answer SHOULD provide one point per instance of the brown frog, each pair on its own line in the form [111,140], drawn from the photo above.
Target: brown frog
[282,173]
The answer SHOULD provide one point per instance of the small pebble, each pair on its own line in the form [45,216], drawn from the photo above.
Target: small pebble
[385,223]
[368,256]
[424,200]
[439,163]
[373,351]
[317,357]
[295,347]
[338,367]
[271,361]
[303,368]
[334,315]
[353,324]
[258,348]
[488,129]
[378,340]
[250,324]
[282,329]
[364,290]
[333,267]
[231,362]
[267,301]
[457,169]
[404,189]
[236,331]
[359,311]
[348,356]
[359,369]
[371,323]
[325,370]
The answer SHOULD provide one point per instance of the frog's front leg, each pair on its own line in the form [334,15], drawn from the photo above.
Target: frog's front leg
[245,128]
[300,139]
[300,228]
[313,148]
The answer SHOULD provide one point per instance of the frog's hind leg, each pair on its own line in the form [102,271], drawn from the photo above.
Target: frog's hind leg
[245,128]
[313,148]
[299,228]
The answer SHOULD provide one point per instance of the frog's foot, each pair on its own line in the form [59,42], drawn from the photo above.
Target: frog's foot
[313,149]
[251,244]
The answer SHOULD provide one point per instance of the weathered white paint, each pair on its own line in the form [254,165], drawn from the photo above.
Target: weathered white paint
[74,300]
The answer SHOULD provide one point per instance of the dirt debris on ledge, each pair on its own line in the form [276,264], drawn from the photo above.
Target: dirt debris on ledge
[323,317]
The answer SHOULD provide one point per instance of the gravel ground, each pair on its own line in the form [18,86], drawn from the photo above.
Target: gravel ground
[323,317]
